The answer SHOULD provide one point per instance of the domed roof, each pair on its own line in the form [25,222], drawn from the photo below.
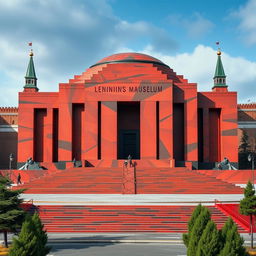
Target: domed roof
[129,57]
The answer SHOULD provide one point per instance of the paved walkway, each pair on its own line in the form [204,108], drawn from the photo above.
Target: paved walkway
[138,199]
[116,237]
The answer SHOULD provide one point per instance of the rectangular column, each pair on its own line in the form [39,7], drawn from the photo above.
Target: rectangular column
[48,131]
[90,130]
[228,131]
[190,122]
[109,130]
[165,130]
[148,129]
[65,132]
[25,134]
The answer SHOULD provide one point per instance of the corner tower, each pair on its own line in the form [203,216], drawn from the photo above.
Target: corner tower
[219,76]
[30,78]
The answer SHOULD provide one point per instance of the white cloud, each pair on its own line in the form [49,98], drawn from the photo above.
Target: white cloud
[68,36]
[195,25]
[199,67]
[138,27]
[198,26]
[247,16]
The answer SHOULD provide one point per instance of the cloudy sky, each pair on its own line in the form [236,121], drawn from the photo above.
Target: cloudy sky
[70,35]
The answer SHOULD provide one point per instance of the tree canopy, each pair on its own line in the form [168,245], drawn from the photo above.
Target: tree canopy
[248,205]
[11,214]
[32,239]
[204,239]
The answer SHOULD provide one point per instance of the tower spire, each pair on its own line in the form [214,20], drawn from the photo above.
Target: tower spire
[30,78]
[219,76]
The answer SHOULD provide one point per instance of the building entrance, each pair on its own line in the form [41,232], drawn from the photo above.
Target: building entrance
[128,125]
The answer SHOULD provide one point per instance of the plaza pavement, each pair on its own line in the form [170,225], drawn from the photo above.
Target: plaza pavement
[137,199]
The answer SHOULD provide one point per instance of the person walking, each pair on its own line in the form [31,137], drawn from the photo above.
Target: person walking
[19,179]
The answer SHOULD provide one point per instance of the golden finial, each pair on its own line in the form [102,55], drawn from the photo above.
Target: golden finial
[31,54]
[219,51]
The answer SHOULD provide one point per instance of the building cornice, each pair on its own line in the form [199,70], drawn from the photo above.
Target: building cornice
[8,110]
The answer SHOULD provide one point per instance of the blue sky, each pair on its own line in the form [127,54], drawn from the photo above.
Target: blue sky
[69,36]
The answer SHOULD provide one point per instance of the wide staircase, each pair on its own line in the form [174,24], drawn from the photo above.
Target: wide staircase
[121,218]
[127,214]
[180,180]
[78,181]
[234,176]
[92,180]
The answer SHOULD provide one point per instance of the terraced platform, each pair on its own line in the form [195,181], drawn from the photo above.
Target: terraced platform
[233,177]
[180,181]
[121,218]
[147,181]
[92,200]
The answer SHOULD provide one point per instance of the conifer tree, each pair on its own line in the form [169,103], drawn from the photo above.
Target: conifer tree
[11,215]
[32,239]
[248,205]
[232,241]
[209,244]
[244,147]
[223,233]
[26,243]
[227,226]
[191,223]
[244,150]
[197,231]
[41,236]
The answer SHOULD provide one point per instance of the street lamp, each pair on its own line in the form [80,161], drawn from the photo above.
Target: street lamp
[11,158]
[251,159]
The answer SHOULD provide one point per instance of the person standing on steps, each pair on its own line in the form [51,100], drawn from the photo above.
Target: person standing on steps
[130,160]
[74,162]
[19,179]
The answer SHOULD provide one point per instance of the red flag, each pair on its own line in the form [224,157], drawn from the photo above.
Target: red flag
[217,43]
[30,44]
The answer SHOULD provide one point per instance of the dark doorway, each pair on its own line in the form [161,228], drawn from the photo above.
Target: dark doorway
[77,112]
[39,133]
[214,131]
[128,125]
[178,131]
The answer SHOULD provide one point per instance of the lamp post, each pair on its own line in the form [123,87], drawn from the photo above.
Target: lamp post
[11,158]
[251,159]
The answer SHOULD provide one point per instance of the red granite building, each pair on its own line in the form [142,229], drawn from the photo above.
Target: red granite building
[125,104]
[128,103]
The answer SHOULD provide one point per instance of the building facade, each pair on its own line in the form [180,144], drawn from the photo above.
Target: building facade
[247,123]
[8,136]
[128,104]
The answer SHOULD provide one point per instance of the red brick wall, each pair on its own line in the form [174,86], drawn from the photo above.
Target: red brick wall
[8,116]
[247,122]
[8,136]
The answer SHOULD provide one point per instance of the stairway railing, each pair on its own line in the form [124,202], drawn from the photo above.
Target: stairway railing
[129,180]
